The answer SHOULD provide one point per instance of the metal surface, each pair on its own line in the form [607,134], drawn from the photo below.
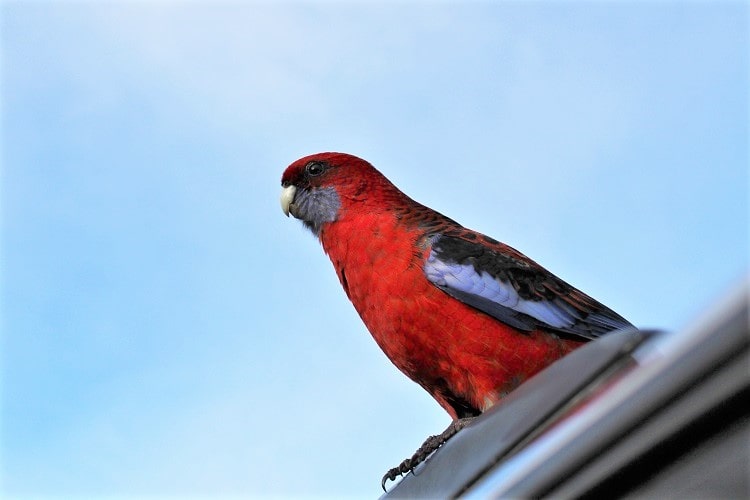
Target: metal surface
[683,376]
[609,418]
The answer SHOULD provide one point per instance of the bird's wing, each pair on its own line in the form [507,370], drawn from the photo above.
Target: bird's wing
[507,285]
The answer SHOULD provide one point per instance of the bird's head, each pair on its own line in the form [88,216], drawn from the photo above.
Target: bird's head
[325,187]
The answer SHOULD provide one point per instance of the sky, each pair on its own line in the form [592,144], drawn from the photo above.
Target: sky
[167,332]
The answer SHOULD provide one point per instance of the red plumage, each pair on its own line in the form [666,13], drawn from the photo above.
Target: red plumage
[379,240]
[449,348]
[466,317]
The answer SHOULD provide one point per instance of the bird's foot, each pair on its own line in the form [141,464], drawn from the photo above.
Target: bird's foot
[430,444]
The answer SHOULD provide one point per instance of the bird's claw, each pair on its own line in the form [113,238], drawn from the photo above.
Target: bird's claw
[391,475]
[404,467]
[430,444]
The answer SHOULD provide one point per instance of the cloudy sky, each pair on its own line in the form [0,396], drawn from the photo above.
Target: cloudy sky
[167,332]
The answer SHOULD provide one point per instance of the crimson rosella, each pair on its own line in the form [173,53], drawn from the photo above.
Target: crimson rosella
[466,317]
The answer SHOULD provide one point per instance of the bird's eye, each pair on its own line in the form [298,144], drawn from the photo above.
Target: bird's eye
[315,168]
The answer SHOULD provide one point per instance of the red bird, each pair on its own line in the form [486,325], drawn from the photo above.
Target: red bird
[466,317]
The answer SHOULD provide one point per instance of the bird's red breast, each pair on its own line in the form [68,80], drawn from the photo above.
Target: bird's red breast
[462,357]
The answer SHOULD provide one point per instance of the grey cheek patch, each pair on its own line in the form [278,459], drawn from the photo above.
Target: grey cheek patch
[316,207]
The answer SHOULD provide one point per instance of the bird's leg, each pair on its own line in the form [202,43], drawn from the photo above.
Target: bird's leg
[430,444]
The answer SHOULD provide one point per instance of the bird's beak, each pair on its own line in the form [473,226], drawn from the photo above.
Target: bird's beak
[287,197]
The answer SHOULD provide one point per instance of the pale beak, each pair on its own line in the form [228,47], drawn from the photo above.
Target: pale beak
[287,197]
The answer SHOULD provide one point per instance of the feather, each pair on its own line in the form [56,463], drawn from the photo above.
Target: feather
[512,288]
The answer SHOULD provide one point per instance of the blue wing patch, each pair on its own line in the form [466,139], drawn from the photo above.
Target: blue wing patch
[518,293]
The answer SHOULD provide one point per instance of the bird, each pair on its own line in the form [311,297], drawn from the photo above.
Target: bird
[463,315]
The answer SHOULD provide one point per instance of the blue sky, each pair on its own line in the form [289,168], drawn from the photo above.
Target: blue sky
[167,332]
